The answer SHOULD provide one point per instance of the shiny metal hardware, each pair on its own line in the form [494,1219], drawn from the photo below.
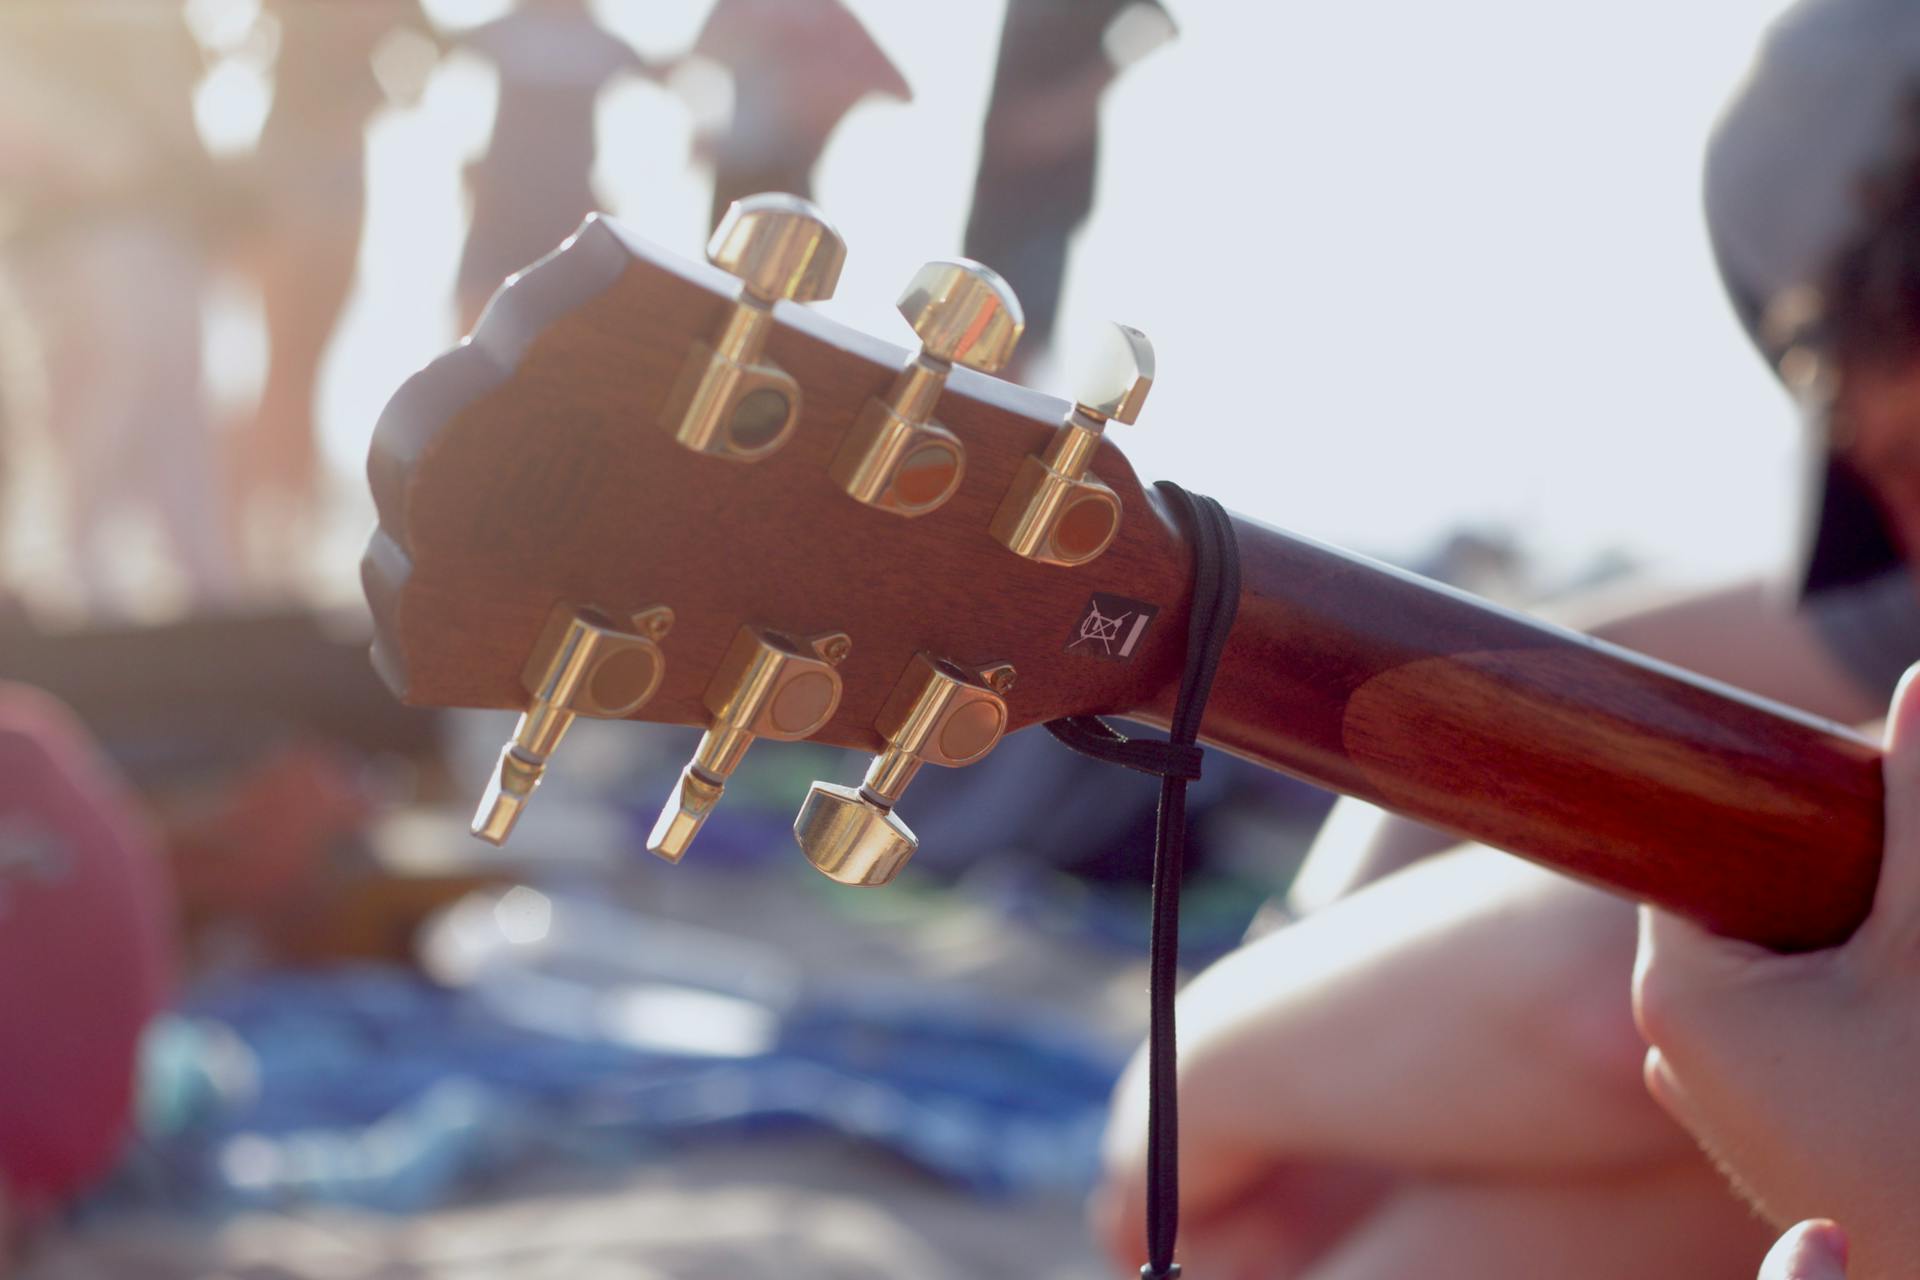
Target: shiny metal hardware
[585,664]
[938,713]
[896,457]
[1054,512]
[727,401]
[767,686]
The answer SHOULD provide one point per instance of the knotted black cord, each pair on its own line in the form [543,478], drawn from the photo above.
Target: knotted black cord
[1216,599]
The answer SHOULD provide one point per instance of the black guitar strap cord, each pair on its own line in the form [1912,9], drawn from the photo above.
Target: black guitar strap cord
[1176,762]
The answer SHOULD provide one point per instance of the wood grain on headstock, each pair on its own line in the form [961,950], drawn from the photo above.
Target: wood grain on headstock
[527,467]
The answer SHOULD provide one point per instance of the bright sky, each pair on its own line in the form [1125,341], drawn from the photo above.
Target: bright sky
[1406,265]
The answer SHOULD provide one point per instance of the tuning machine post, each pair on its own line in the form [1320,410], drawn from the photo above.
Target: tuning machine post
[896,457]
[1054,511]
[938,713]
[584,664]
[728,401]
[768,685]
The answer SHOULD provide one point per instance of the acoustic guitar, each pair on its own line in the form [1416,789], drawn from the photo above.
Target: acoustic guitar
[660,489]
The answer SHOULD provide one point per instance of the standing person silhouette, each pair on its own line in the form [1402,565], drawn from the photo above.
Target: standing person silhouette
[115,208]
[798,67]
[1040,144]
[534,183]
[308,174]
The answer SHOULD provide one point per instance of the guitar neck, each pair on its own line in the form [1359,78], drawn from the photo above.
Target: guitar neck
[1753,819]
[511,477]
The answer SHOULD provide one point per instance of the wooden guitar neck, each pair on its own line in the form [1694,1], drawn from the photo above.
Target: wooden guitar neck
[1754,819]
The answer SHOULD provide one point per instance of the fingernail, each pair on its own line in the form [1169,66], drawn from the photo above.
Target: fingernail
[1898,711]
[1819,1252]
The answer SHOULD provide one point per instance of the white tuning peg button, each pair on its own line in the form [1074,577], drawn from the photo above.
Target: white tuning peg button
[1054,511]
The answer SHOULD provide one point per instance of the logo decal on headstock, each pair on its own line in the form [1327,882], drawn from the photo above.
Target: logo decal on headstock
[1111,627]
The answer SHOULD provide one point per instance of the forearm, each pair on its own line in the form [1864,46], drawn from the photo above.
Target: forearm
[1342,1036]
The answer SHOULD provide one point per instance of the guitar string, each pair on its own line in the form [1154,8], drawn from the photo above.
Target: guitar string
[1176,762]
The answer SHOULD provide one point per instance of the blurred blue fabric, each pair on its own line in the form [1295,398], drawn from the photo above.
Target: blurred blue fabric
[378,1089]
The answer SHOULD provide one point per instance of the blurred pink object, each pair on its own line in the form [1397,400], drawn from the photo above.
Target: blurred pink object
[85,952]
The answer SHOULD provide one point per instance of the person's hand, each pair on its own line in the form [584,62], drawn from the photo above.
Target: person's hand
[1801,1074]
[1442,1065]
[1815,1250]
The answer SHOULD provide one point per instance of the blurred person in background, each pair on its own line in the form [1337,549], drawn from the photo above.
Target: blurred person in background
[798,67]
[308,175]
[534,184]
[1040,144]
[111,202]
[1436,1070]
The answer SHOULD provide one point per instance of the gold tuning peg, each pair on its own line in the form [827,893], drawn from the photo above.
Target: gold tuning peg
[1054,512]
[727,401]
[938,713]
[896,457]
[768,686]
[585,664]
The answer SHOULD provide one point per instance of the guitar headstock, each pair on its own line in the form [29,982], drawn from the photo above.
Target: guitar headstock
[653,489]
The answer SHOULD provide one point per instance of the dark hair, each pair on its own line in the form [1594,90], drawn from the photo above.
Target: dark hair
[1871,310]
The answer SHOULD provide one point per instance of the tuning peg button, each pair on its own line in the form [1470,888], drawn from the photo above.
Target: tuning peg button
[781,247]
[938,713]
[767,686]
[852,837]
[896,457]
[1054,512]
[584,664]
[727,401]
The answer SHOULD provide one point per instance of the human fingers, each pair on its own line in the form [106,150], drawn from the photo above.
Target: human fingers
[1683,974]
[1737,1039]
[1689,984]
[1710,1003]
[1814,1250]
[1894,925]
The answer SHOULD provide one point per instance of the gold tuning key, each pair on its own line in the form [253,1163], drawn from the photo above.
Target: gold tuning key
[1054,512]
[896,457]
[768,686]
[938,713]
[727,401]
[585,664]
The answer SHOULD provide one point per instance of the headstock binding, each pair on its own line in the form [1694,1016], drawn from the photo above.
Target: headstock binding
[527,467]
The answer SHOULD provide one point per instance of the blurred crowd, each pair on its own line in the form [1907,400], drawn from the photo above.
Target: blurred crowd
[152,154]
